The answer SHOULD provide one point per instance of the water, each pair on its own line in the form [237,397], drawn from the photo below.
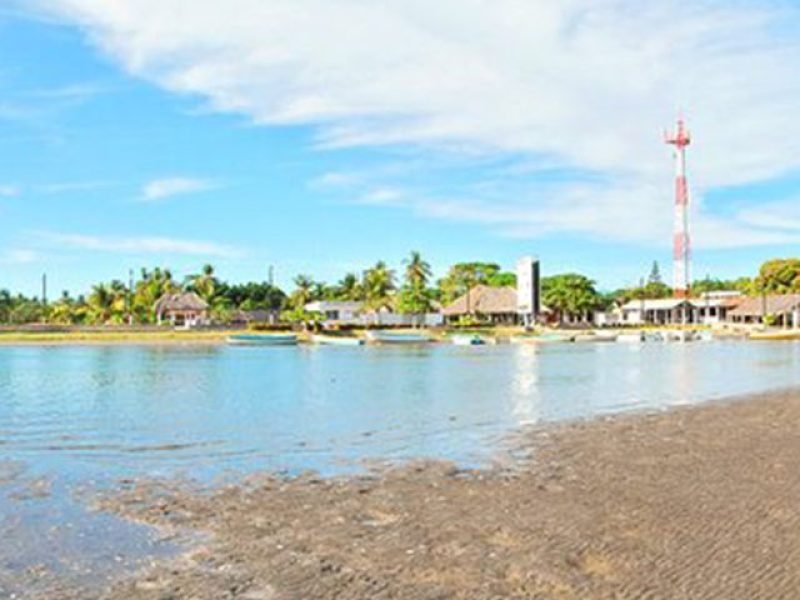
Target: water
[117,411]
[76,415]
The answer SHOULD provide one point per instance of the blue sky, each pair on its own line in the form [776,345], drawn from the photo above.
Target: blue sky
[321,137]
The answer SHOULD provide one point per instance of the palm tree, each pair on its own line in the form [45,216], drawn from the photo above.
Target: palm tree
[414,297]
[204,283]
[349,288]
[303,292]
[418,272]
[378,283]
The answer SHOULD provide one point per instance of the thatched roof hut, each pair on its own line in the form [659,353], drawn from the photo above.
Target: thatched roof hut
[185,308]
[496,302]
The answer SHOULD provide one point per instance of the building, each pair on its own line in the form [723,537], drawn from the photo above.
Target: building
[782,310]
[664,311]
[496,305]
[344,311]
[185,309]
[246,317]
[709,309]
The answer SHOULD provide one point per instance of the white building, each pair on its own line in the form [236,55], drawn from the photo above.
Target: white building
[342,312]
[336,310]
[709,309]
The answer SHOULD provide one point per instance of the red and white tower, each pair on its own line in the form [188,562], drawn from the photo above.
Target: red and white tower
[681,251]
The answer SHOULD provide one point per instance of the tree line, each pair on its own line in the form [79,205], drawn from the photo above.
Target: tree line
[412,290]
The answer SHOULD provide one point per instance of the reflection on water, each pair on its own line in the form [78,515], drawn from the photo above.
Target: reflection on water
[108,411]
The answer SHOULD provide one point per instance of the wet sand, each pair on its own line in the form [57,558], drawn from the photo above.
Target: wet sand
[697,502]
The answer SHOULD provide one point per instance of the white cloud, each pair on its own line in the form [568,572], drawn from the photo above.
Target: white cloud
[578,84]
[19,256]
[139,245]
[160,189]
[64,187]
[9,191]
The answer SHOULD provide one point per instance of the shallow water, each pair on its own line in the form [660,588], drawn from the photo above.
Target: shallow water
[112,411]
[89,415]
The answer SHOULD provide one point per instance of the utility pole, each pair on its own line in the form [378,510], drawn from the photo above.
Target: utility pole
[44,289]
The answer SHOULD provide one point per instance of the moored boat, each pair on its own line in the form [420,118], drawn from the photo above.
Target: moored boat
[336,340]
[468,340]
[775,335]
[631,338]
[265,339]
[394,337]
[545,338]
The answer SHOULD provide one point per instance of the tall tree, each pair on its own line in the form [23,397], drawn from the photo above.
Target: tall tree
[205,283]
[779,276]
[570,294]
[303,292]
[415,297]
[349,288]
[655,274]
[378,284]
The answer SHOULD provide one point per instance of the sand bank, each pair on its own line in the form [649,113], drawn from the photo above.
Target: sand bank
[692,503]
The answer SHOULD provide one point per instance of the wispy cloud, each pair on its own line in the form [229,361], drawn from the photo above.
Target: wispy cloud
[9,191]
[18,256]
[578,85]
[161,189]
[65,187]
[139,245]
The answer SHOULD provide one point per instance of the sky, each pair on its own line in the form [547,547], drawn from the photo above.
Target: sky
[319,136]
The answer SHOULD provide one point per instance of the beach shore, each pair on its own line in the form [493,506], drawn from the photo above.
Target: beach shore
[692,503]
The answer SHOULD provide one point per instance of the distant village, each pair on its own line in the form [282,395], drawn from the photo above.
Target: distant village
[470,294]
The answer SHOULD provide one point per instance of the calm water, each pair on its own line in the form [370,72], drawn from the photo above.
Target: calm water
[85,416]
[94,412]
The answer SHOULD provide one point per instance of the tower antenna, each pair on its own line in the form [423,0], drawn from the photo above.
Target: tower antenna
[681,249]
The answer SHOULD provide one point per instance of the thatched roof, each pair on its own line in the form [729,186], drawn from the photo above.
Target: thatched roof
[183,302]
[485,300]
[773,304]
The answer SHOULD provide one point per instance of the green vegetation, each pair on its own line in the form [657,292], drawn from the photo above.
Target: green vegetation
[569,295]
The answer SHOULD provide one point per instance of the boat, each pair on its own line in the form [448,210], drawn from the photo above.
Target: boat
[336,340]
[631,338]
[775,335]
[545,338]
[599,336]
[468,340]
[394,337]
[265,339]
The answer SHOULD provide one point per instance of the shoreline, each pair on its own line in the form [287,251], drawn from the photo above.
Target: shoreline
[691,502]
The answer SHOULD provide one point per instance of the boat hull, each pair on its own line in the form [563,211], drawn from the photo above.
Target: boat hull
[330,340]
[388,337]
[262,340]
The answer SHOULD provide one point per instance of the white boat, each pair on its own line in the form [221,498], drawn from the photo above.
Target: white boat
[599,336]
[266,339]
[336,340]
[631,338]
[393,337]
[545,338]
[468,340]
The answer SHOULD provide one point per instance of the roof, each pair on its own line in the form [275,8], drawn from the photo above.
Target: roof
[259,314]
[326,305]
[659,304]
[184,301]
[756,306]
[485,300]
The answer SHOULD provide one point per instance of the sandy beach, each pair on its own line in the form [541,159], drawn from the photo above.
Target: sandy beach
[691,503]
